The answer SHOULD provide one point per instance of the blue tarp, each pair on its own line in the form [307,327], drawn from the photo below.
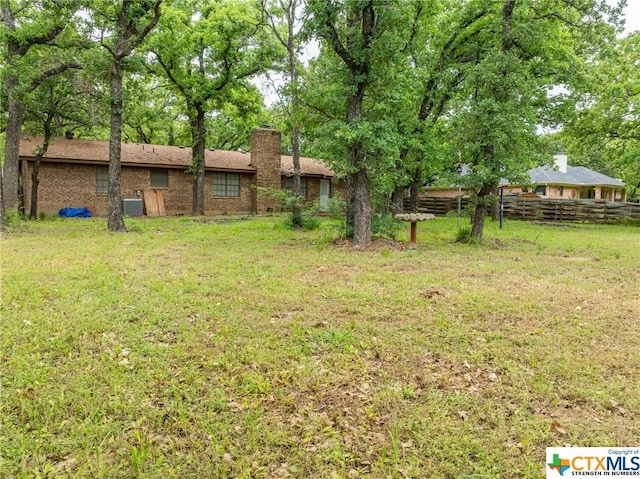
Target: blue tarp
[74,213]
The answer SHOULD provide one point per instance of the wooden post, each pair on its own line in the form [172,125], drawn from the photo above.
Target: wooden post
[414,218]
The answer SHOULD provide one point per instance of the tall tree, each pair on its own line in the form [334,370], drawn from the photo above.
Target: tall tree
[438,48]
[124,26]
[208,50]
[364,74]
[285,23]
[522,51]
[349,30]
[28,28]
[57,106]
[605,134]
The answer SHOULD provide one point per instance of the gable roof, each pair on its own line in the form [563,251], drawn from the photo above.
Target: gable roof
[62,150]
[575,175]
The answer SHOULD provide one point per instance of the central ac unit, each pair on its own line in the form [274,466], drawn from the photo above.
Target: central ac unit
[132,207]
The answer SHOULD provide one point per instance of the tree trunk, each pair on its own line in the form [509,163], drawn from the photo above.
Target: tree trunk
[477,221]
[480,212]
[359,198]
[398,200]
[296,214]
[4,222]
[362,209]
[495,205]
[350,208]
[35,182]
[199,134]
[10,169]
[33,210]
[114,203]
[414,192]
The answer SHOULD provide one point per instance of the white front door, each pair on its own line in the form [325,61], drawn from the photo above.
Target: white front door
[325,189]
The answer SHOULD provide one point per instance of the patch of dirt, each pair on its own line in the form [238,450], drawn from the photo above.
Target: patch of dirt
[377,244]
[435,293]
[575,258]
[221,219]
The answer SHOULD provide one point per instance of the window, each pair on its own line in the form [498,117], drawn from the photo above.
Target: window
[560,191]
[102,180]
[226,184]
[541,190]
[288,185]
[159,178]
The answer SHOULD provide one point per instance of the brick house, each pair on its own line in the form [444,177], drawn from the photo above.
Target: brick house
[74,173]
[560,181]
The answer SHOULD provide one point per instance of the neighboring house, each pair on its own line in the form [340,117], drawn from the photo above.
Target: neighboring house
[75,173]
[560,181]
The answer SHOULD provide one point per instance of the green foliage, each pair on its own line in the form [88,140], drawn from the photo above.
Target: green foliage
[208,51]
[14,219]
[288,200]
[308,221]
[603,135]
[519,56]
[463,235]
[384,226]
[334,207]
[302,214]
[443,82]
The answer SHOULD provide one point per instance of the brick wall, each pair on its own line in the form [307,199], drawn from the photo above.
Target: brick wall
[265,158]
[243,204]
[63,185]
[74,185]
[338,188]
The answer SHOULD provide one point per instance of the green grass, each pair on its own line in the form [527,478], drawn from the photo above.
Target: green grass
[194,349]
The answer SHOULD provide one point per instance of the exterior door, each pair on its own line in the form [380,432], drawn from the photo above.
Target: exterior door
[325,190]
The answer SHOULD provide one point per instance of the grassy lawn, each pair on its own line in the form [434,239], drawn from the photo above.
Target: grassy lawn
[239,348]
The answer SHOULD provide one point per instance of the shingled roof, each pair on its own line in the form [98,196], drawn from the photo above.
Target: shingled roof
[62,150]
[308,167]
[575,176]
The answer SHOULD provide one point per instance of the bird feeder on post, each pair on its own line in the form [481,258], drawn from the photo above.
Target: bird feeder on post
[414,218]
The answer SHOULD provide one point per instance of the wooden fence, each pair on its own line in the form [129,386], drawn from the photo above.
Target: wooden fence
[437,206]
[542,209]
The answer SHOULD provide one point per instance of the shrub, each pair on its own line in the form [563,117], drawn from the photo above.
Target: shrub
[463,235]
[335,207]
[384,226]
[290,202]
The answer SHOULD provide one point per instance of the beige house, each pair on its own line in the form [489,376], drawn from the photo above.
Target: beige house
[560,181]
[74,173]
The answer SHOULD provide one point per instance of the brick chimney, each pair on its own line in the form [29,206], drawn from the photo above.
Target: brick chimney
[265,158]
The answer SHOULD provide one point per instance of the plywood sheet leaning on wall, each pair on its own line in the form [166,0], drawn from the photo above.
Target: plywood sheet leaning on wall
[160,198]
[154,203]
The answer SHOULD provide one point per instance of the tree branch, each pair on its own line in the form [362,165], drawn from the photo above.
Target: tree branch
[52,72]
[21,48]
